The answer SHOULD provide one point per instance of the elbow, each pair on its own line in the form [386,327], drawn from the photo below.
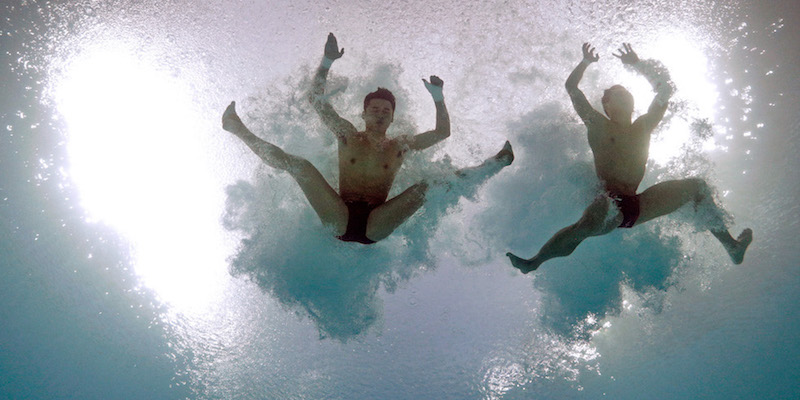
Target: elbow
[571,86]
[441,135]
[669,91]
[313,98]
[444,131]
[665,90]
[316,103]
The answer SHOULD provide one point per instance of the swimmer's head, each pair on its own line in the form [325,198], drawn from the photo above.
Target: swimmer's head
[381,93]
[379,110]
[617,102]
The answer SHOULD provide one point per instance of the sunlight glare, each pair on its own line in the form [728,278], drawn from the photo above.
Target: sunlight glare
[688,68]
[135,158]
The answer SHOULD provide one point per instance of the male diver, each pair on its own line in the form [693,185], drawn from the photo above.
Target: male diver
[620,149]
[368,160]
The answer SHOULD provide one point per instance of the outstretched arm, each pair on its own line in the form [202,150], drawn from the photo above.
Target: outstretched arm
[659,79]
[442,131]
[338,125]
[585,110]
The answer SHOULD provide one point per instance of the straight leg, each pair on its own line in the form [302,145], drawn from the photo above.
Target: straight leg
[387,217]
[324,200]
[666,197]
[592,223]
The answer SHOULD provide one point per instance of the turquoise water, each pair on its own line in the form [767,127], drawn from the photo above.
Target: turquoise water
[147,254]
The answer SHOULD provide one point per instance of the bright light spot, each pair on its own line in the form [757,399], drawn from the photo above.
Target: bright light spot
[688,67]
[134,154]
[669,142]
[627,305]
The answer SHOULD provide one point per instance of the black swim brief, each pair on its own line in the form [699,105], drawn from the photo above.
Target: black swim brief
[357,222]
[629,207]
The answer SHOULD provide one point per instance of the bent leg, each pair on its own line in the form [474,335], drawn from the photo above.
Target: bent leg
[491,166]
[387,217]
[384,219]
[666,197]
[326,202]
[564,242]
[271,155]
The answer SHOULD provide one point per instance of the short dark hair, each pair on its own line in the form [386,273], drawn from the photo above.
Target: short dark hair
[615,88]
[381,93]
[607,92]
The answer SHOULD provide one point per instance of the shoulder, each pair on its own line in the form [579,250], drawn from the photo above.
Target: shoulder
[649,121]
[643,127]
[596,123]
[348,137]
[403,140]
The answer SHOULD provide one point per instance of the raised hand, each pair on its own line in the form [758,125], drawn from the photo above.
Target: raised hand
[589,54]
[626,54]
[435,87]
[332,48]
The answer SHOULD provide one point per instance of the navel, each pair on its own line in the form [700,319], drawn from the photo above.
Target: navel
[352,161]
[385,166]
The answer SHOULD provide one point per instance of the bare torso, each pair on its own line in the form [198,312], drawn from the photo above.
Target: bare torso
[368,165]
[620,154]
[620,147]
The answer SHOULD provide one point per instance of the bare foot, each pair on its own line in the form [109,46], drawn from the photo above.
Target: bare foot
[523,265]
[230,120]
[737,251]
[506,154]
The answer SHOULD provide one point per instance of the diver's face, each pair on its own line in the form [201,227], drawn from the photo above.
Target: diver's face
[378,114]
[618,103]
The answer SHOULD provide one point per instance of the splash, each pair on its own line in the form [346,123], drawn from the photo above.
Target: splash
[287,251]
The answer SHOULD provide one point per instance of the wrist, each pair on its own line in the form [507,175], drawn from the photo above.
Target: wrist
[326,62]
[437,97]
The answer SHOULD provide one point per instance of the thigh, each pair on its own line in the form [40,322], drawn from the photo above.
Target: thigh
[323,198]
[666,197]
[598,219]
[388,216]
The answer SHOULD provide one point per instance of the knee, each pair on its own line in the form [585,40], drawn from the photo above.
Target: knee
[594,220]
[296,165]
[589,225]
[697,189]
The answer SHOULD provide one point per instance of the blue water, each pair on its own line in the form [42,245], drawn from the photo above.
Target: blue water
[146,254]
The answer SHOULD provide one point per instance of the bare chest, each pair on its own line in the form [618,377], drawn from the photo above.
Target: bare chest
[620,155]
[621,144]
[365,158]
